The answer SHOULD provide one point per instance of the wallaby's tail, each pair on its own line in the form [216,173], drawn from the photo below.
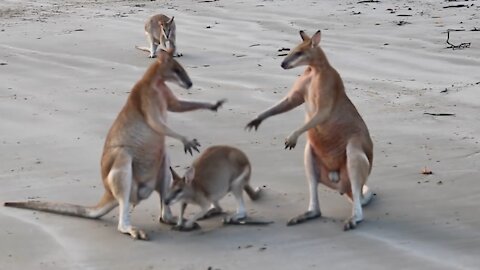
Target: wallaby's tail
[106,204]
[143,48]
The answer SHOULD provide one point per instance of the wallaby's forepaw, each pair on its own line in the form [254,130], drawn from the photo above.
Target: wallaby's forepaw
[309,215]
[134,232]
[189,145]
[254,124]
[183,228]
[152,56]
[178,55]
[291,141]
[218,105]
[351,224]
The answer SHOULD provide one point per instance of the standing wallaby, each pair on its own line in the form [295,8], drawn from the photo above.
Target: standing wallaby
[134,161]
[339,150]
[216,172]
[160,30]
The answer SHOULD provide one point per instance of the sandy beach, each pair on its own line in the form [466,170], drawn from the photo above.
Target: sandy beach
[66,68]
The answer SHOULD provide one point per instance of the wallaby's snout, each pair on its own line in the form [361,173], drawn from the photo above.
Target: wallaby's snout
[285,65]
[188,84]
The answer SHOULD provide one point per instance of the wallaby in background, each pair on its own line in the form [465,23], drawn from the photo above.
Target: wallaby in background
[160,30]
[216,172]
[339,150]
[134,161]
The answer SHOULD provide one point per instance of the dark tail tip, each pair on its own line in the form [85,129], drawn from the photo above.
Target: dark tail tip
[11,204]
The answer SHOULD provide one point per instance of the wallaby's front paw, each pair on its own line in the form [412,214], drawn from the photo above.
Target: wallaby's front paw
[254,124]
[178,55]
[152,56]
[217,105]
[189,145]
[184,228]
[291,141]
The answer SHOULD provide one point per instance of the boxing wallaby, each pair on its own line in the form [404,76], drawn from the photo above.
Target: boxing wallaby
[160,30]
[216,172]
[339,150]
[134,161]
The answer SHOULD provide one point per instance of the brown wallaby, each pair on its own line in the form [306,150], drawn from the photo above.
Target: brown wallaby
[339,150]
[134,161]
[216,172]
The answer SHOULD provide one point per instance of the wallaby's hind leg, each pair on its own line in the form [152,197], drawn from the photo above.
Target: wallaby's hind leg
[215,210]
[313,177]
[153,46]
[237,187]
[191,223]
[253,194]
[367,196]
[164,179]
[358,168]
[120,182]
[241,213]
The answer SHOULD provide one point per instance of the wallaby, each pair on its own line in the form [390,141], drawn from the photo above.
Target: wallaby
[339,150]
[134,161]
[216,172]
[160,30]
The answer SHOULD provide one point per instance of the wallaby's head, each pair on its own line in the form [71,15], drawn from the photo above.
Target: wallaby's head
[166,28]
[302,54]
[171,70]
[181,188]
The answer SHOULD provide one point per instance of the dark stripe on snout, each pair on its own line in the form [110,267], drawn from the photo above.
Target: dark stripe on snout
[289,59]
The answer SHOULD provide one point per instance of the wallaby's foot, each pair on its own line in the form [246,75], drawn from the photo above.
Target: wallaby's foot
[134,232]
[309,215]
[166,216]
[184,228]
[246,221]
[168,220]
[351,223]
[235,219]
[213,212]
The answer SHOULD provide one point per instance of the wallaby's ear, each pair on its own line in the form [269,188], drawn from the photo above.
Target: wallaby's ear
[316,38]
[174,174]
[303,35]
[189,175]
[171,20]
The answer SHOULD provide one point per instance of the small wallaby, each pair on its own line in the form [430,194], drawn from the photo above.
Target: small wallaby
[216,172]
[160,30]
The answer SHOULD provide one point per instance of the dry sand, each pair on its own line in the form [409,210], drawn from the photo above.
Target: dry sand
[66,72]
